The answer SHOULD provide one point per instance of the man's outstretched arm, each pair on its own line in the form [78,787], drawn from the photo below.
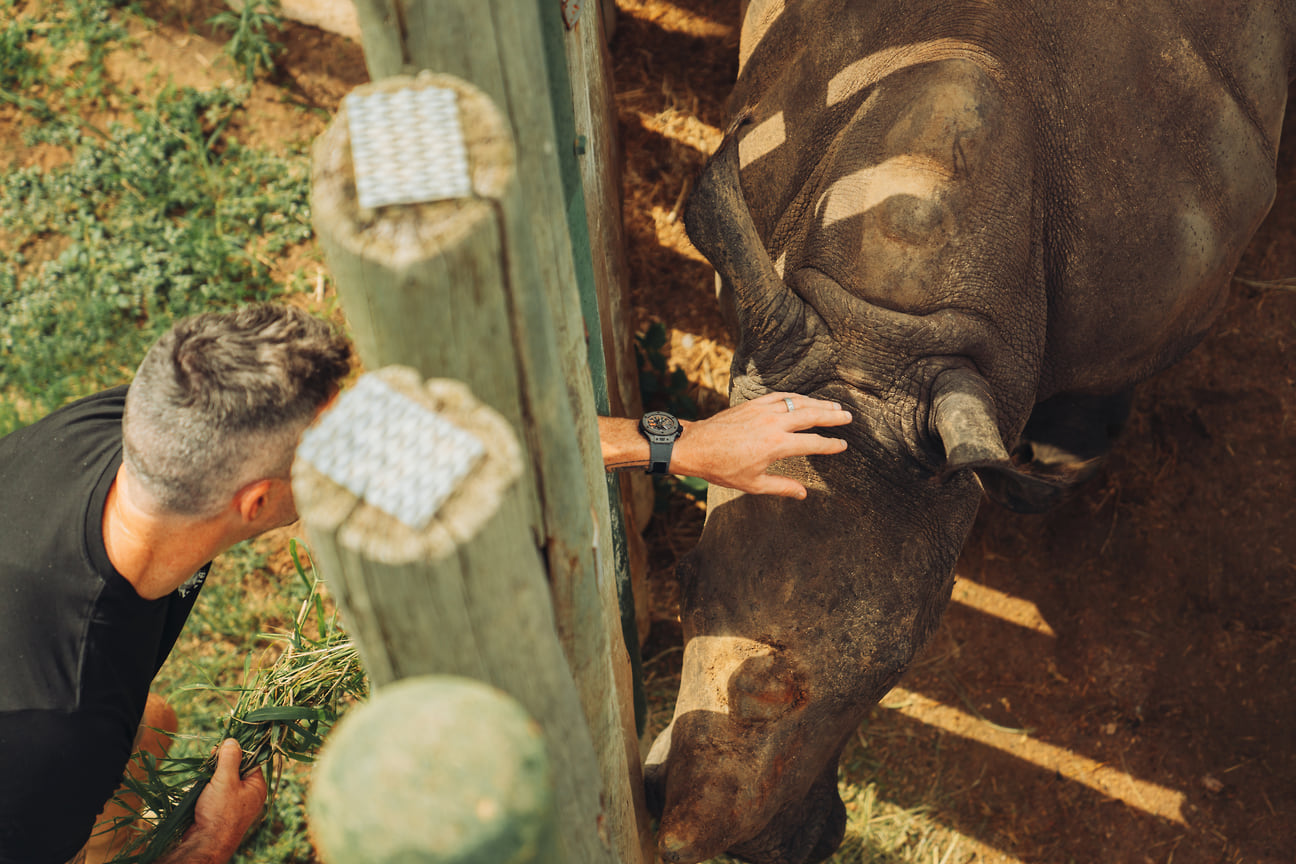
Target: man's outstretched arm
[735,447]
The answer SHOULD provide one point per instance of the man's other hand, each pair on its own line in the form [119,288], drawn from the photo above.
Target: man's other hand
[225,810]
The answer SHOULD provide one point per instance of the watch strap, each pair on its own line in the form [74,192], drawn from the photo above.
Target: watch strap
[659,454]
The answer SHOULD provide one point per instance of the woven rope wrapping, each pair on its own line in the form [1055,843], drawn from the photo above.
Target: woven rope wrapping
[390,451]
[407,146]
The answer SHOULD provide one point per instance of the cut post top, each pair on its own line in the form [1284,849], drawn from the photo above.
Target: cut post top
[404,468]
[407,145]
[391,451]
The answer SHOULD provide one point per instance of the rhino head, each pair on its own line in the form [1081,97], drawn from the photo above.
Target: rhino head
[799,615]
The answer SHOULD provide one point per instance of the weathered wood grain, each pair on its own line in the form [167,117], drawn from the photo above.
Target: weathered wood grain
[437,769]
[455,289]
[465,594]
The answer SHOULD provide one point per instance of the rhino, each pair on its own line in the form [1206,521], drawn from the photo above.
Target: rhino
[978,226]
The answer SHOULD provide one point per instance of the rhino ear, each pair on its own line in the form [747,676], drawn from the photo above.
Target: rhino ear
[963,416]
[720,226]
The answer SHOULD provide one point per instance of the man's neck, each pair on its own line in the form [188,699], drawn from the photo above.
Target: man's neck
[155,552]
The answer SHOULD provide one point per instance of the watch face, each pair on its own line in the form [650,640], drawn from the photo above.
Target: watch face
[660,423]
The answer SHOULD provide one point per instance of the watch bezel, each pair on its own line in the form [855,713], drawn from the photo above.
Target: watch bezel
[651,417]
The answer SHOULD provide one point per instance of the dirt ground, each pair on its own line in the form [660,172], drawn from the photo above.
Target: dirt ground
[1115,681]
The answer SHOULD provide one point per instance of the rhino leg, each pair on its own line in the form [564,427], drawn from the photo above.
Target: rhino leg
[655,773]
[1066,440]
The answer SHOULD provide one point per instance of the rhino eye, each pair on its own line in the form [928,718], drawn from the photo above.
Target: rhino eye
[764,689]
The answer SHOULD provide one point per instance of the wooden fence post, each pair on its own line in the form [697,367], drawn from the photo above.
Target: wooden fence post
[497,46]
[436,769]
[408,493]
[580,68]
[452,288]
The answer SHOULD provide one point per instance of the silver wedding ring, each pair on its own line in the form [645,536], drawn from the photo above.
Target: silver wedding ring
[788,402]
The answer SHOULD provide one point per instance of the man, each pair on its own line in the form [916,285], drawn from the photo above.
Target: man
[114,507]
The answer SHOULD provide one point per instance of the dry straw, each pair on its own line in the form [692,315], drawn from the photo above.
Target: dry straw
[282,714]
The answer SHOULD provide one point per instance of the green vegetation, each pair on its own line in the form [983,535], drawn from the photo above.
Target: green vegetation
[162,214]
[662,388]
[19,67]
[250,43]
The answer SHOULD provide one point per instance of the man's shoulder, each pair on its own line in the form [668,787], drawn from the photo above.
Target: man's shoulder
[78,435]
[53,567]
[101,410]
[104,405]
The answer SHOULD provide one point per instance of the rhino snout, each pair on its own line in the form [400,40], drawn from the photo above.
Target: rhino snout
[700,817]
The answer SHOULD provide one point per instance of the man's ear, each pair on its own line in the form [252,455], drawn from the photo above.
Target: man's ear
[251,500]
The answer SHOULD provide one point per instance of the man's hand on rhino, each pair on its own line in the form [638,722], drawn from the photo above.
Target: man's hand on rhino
[735,447]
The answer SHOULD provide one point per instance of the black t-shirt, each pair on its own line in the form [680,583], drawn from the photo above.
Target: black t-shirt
[78,647]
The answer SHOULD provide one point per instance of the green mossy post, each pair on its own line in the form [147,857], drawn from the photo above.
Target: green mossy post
[454,289]
[578,55]
[434,769]
[499,47]
[463,593]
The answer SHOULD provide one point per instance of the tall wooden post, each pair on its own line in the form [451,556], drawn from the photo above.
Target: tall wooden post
[580,65]
[409,496]
[453,289]
[497,46]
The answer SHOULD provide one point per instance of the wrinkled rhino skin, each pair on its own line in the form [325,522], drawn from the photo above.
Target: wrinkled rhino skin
[954,218]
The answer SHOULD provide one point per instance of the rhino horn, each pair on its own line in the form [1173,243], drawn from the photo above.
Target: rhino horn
[963,416]
[721,227]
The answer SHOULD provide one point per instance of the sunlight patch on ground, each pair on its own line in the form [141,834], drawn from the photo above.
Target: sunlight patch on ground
[677,124]
[1005,607]
[1141,795]
[675,19]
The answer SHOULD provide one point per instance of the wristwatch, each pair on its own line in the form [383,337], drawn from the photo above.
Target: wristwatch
[661,430]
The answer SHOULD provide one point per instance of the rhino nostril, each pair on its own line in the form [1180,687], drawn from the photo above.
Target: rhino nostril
[673,848]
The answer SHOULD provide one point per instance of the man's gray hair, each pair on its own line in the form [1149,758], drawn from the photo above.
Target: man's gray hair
[221,400]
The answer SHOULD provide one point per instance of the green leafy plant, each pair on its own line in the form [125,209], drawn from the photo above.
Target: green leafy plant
[250,44]
[281,715]
[661,387]
[85,24]
[149,221]
[20,67]
[91,26]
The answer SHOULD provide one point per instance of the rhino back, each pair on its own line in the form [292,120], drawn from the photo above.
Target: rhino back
[1152,148]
